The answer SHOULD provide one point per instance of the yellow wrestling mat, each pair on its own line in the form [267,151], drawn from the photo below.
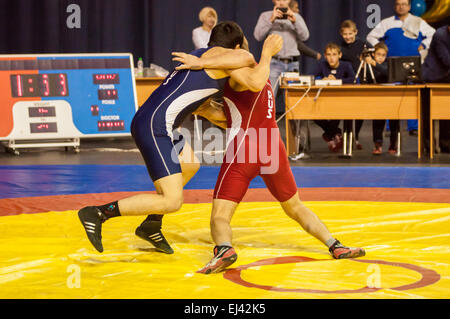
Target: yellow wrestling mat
[407,255]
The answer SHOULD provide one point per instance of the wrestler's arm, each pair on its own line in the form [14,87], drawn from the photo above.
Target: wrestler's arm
[255,78]
[215,58]
[213,112]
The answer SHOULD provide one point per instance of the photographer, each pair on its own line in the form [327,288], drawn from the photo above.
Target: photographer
[352,47]
[290,26]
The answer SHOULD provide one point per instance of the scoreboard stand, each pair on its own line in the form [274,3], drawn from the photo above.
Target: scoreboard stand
[12,146]
[56,100]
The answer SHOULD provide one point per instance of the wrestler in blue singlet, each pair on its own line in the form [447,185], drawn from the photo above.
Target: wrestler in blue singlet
[152,128]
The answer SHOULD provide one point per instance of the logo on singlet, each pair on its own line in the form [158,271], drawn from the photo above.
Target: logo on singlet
[269,104]
[170,77]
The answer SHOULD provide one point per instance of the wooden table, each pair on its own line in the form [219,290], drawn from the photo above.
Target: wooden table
[358,102]
[439,107]
[145,87]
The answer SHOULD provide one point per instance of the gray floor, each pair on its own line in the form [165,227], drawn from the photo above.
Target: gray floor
[122,151]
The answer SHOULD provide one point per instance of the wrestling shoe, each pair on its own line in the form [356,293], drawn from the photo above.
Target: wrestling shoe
[150,230]
[92,219]
[339,251]
[224,256]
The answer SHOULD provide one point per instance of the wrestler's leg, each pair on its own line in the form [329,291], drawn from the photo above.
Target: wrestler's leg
[222,212]
[309,221]
[169,197]
[224,253]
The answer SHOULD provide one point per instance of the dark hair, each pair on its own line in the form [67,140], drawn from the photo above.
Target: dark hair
[226,34]
[381,45]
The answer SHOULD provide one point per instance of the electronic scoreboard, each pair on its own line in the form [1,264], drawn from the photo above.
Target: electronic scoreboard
[54,100]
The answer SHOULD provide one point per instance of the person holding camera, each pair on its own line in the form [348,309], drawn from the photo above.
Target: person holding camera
[291,27]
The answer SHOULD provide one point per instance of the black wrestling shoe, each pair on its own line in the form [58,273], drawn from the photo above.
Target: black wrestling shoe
[150,230]
[92,219]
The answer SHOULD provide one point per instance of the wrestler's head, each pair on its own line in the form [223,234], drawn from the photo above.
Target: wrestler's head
[227,34]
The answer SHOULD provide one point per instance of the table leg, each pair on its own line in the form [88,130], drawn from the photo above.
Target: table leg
[419,116]
[431,127]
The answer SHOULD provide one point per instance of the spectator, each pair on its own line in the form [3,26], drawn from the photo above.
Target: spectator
[302,47]
[437,64]
[291,27]
[380,70]
[437,69]
[200,35]
[352,47]
[332,69]
[405,35]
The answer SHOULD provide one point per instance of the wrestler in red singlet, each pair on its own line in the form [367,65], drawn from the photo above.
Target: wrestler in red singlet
[261,153]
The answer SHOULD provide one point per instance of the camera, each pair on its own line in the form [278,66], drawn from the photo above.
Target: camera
[284,10]
[367,51]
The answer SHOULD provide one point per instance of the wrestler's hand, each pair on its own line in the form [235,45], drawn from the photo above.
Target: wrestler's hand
[272,45]
[188,61]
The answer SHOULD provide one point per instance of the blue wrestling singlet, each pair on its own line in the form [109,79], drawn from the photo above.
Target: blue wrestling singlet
[152,128]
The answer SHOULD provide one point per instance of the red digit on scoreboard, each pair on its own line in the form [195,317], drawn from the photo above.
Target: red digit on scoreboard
[46,85]
[19,85]
[63,84]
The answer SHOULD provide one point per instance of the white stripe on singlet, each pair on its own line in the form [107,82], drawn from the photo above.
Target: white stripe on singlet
[151,120]
[181,102]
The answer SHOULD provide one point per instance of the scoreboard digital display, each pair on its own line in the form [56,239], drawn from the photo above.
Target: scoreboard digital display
[39,85]
[43,127]
[106,78]
[66,96]
[107,94]
[49,111]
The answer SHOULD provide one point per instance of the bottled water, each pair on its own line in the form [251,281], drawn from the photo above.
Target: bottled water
[140,68]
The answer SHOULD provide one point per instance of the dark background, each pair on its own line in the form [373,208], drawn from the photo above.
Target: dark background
[152,29]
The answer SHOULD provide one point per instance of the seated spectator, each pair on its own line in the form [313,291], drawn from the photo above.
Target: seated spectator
[332,69]
[200,36]
[437,69]
[405,35]
[437,63]
[302,47]
[352,47]
[380,70]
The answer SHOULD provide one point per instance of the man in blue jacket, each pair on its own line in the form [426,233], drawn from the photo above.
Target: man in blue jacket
[405,35]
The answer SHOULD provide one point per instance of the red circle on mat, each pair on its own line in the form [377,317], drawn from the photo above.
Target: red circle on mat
[429,276]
